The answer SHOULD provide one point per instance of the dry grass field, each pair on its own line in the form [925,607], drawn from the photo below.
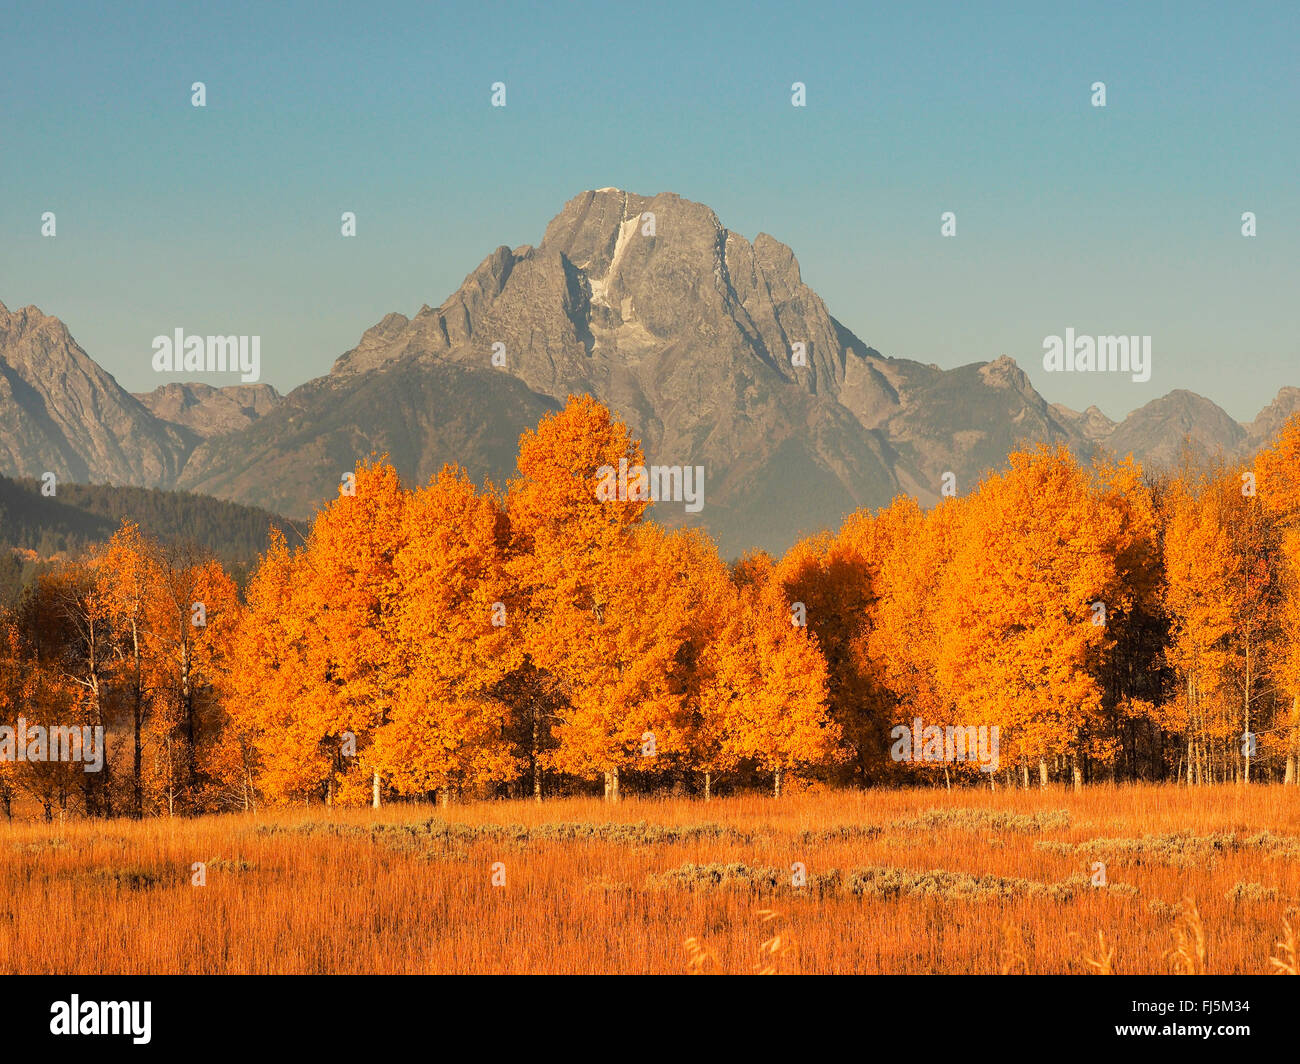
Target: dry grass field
[915,881]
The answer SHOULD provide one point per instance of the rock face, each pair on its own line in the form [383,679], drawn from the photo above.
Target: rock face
[1271,419]
[207,411]
[708,345]
[61,413]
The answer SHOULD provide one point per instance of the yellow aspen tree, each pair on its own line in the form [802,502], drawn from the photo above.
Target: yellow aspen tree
[775,711]
[1277,475]
[1019,645]
[569,537]
[449,623]
[125,574]
[829,584]
[1203,588]
[346,592]
[905,637]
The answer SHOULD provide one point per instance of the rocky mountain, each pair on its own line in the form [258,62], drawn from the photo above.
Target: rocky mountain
[207,411]
[61,413]
[709,345]
[711,348]
[1159,430]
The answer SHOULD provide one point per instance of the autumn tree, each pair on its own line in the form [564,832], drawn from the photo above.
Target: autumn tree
[318,619]
[77,618]
[267,676]
[769,685]
[448,619]
[36,691]
[830,587]
[1022,615]
[1277,475]
[1203,596]
[616,650]
[125,573]
[566,538]
[192,612]
[905,637]
[1130,671]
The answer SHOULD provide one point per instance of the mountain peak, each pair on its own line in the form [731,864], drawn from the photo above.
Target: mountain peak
[713,351]
[26,318]
[1005,372]
[62,412]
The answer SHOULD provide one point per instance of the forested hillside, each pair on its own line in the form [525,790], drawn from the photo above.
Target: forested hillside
[36,527]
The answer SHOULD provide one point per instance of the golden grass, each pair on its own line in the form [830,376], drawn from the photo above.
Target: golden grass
[1288,963]
[896,881]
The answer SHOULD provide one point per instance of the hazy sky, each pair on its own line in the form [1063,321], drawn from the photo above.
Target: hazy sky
[1123,219]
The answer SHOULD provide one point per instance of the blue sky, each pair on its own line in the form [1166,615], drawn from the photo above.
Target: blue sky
[226,219]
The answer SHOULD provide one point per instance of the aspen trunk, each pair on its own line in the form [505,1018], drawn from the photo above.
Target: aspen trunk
[1042,772]
[137,724]
[776,784]
[611,784]
[537,766]
[374,799]
[708,785]
[1024,772]
[1077,773]
[444,797]
[1294,744]
[1245,769]
[1245,754]
[187,697]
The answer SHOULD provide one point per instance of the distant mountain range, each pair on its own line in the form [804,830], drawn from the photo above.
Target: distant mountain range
[684,328]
